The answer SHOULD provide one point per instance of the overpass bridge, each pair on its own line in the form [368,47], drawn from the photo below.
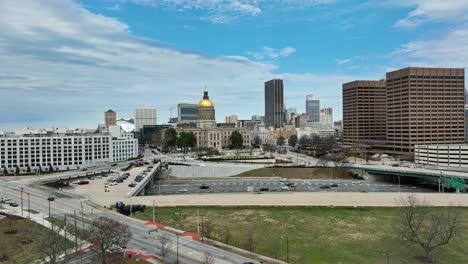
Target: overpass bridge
[147,182]
[447,179]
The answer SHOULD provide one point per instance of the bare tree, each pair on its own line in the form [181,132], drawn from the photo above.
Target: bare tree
[51,243]
[304,141]
[209,259]
[165,244]
[208,228]
[280,141]
[257,141]
[292,141]
[107,234]
[429,227]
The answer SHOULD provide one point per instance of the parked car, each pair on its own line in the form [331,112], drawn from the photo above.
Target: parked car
[285,188]
[113,165]
[264,189]
[85,169]
[204,186]
[132,185]
[291,184]
[334,185]
[113,183]
[13,204]
[283,180]
[83,182]
[5,200]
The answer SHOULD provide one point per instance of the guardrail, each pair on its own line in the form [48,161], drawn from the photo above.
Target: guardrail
[137,189]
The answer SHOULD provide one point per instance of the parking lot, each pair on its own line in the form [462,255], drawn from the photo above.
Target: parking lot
[275,185]
[101,188]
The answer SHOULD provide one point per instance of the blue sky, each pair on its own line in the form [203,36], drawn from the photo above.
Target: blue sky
[65,62]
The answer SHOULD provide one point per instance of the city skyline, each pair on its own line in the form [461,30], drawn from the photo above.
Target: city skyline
[95,55]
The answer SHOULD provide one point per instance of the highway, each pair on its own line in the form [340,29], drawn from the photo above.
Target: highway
[274,185]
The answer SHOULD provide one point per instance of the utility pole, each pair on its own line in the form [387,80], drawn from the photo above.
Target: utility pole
[198,221]
[29,208]
[65,230]
[177,258]
[287,248]
[82,216]
[153,213]
[76,237]
[21,201]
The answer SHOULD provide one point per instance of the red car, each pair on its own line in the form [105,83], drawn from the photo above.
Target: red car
[83,182]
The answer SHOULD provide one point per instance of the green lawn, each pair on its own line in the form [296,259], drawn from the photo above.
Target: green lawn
[70,227]
[299,173]
[316,234]
[19,247]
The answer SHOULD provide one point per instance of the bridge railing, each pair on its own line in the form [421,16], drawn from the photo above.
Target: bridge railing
[139,187]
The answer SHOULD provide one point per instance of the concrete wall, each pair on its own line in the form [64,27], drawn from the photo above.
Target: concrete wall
[213,169]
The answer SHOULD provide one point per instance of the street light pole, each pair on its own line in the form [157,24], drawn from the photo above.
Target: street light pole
[29,209]
[21,201]
[177,258]
[287,248]
[153,213]
[49,208]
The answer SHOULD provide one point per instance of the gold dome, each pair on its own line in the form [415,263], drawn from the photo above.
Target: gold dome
[206,102]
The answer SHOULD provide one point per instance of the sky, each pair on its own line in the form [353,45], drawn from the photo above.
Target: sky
[65,62]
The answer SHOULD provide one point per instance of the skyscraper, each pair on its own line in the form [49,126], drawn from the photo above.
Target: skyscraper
[326,115]
[110,118]
[290,114]
[144,116]
[313,108]
[232,119]
[274,103]
[364,113]
[424,106]
[187,112]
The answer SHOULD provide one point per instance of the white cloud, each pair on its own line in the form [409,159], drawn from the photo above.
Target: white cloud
[63,65]
[431,11]
[450,50]
[343,61]
[271,53]
[227,11]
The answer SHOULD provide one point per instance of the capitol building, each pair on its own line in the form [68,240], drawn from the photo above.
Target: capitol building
[210,134]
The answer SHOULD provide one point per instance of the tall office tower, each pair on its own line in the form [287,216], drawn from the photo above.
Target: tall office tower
[326,115]
[187,112]
[289,115]
[145,116]
[364,113]
[110,118]
[466,123]
[232,119]
[313,108]
[424,106]
[274,103]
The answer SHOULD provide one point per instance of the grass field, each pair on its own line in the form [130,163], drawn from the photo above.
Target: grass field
[299,173]
[316,234]
[19,247]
